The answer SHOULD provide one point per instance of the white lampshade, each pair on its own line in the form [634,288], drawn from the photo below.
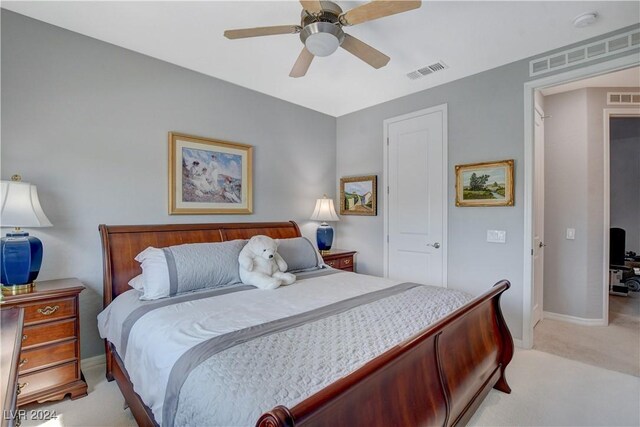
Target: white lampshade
[20,206]
[324,210]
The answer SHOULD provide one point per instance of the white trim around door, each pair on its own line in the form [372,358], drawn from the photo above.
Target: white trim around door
[529,88]
[385,183]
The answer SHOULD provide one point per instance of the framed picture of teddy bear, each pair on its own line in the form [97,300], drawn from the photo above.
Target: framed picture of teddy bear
[207,176]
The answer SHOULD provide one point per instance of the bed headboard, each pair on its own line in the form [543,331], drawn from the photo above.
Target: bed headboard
[121,243]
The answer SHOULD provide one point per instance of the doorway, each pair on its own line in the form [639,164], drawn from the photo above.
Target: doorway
[415,194]
[622,142]
[571,221]
[530,88]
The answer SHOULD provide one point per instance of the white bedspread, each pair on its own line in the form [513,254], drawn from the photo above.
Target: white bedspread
[161,336]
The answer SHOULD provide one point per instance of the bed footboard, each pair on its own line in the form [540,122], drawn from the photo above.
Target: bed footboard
[438,377]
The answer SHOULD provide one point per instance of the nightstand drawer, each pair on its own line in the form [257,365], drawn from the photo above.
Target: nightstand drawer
[47,356]
[334,263]
[346,262]
[46,378]
[49,310]
[48,332]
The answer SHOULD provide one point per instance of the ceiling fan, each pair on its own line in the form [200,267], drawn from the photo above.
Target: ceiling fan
[321,30]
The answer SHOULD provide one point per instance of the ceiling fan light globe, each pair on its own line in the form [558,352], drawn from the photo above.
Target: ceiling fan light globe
[322,44]
[322,38]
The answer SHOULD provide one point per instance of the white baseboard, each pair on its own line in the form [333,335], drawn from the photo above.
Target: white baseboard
[92,362]
[573,319]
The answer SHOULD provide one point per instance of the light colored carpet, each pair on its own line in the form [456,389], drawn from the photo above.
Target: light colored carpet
[615,347]
[547,391]
[629,305]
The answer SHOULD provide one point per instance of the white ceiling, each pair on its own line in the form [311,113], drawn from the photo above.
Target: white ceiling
[624,78]
[470,37]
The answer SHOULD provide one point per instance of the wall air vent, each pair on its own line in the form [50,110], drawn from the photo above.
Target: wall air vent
[429,69]
[623,98]
[577,55]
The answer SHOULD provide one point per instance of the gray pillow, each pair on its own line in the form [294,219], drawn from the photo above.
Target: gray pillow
[299,254]
[183,268]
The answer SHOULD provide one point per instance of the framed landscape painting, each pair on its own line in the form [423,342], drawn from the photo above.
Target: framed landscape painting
[485,184]
[358,195]
[207,176]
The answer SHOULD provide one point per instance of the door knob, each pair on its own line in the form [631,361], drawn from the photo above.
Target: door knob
[541,245]
[435,245]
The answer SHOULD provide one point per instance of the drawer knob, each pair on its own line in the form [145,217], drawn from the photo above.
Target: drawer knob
[24,337]
[22,362]
[48,310]
[20,387]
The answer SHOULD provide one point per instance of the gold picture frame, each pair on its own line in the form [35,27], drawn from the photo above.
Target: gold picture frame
[485,184]
[359,195]
[208,176]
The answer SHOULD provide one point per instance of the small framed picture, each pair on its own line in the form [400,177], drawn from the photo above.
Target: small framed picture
[207,176]
[358,195]
[485,184]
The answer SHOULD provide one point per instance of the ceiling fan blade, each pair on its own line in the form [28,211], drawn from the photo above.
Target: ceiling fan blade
[262,31]
[371,56]
[302,64]
[377,9]
[311,6]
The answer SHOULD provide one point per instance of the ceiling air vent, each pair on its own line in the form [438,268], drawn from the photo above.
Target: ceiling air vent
[623,98]
[429,69]
[579,54]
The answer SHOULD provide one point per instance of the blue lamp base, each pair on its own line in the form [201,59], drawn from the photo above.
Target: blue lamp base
[20,260]
[324,236]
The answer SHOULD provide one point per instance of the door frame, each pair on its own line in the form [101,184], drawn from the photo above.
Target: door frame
[445,186]
[608,113]
[529,88]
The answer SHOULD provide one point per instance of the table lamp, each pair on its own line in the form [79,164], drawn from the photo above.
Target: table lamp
[20,254]
[324,211]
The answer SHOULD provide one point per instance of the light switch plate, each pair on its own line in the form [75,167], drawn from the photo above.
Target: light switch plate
[571,233]
[496,236]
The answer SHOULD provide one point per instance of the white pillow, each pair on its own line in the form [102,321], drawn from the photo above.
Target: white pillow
[154,272]
[137,283]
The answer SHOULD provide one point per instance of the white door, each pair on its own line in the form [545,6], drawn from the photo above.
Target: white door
[538,215]
[417,197]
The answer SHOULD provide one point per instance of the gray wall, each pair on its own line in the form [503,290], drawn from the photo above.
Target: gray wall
[486,122]
[574,198]
[625,179]
[87,123]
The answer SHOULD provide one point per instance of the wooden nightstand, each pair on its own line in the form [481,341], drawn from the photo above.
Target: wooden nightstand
[340,259]
[49,367]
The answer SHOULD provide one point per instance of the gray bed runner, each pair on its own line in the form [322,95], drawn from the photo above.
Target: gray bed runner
[205,350]
[148,306]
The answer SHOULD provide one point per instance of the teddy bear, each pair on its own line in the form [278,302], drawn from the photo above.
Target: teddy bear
[261,265]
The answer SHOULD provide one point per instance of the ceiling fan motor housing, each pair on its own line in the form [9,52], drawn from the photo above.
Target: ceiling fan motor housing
[330,13]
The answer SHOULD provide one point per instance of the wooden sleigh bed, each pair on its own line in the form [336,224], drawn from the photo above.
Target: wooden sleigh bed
[439,377]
